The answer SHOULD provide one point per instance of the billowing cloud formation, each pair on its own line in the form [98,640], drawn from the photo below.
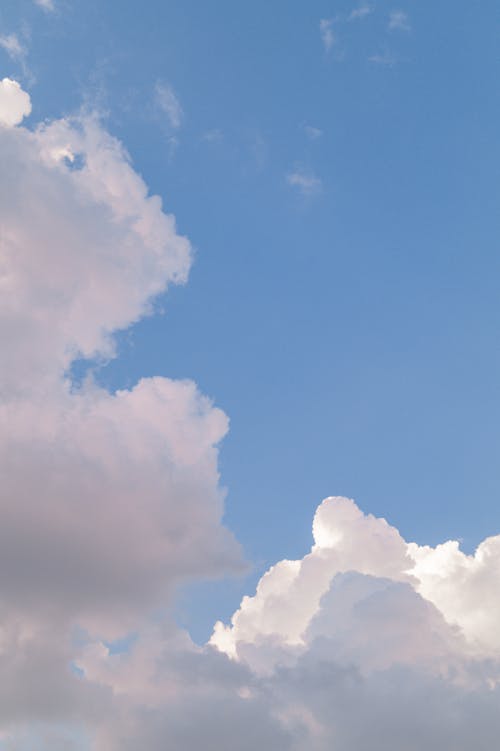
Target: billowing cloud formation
[353,647]
[291,597]
[15,104]
[110,500]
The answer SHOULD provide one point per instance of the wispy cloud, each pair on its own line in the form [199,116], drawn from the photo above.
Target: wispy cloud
[47,5]
[169,104]
[359,13]
[398,21]
[383,58]
[215,135]
[13,47]
[327,33]
[312,133]
[305,181]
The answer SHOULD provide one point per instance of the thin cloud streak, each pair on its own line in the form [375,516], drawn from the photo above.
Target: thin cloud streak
[327,33]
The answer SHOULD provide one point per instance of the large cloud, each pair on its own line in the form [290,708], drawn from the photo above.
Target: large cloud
[84,248]
[108,500]
[339,650]
[293,593]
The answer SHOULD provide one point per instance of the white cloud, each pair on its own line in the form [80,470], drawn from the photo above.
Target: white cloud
[290,598]
[108,500]
[85,249]
[304,181]
[398,21]
[359,13]
[12,46]
[169,104]
[15,104]
[347,648]
[369,637]
[327,33]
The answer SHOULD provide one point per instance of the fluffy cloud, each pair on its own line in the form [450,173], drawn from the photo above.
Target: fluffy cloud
[338,650]
[369,641]
[293,595]
[15,104]
[108,500]
[85,247]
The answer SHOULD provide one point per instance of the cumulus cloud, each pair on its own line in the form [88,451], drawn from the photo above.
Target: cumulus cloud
[366,642]
[370,641]
[292,597]
[15,104]
[108,500]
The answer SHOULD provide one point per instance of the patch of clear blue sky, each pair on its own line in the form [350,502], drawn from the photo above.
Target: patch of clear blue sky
[351,335]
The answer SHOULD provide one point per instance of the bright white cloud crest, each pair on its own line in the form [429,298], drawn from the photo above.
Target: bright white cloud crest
[15,104]
[110,500]
[291,595]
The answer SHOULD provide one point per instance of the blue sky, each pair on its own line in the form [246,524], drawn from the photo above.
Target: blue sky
[347,319]
[249,261]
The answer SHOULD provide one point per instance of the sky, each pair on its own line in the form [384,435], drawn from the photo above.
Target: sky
[249,262]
